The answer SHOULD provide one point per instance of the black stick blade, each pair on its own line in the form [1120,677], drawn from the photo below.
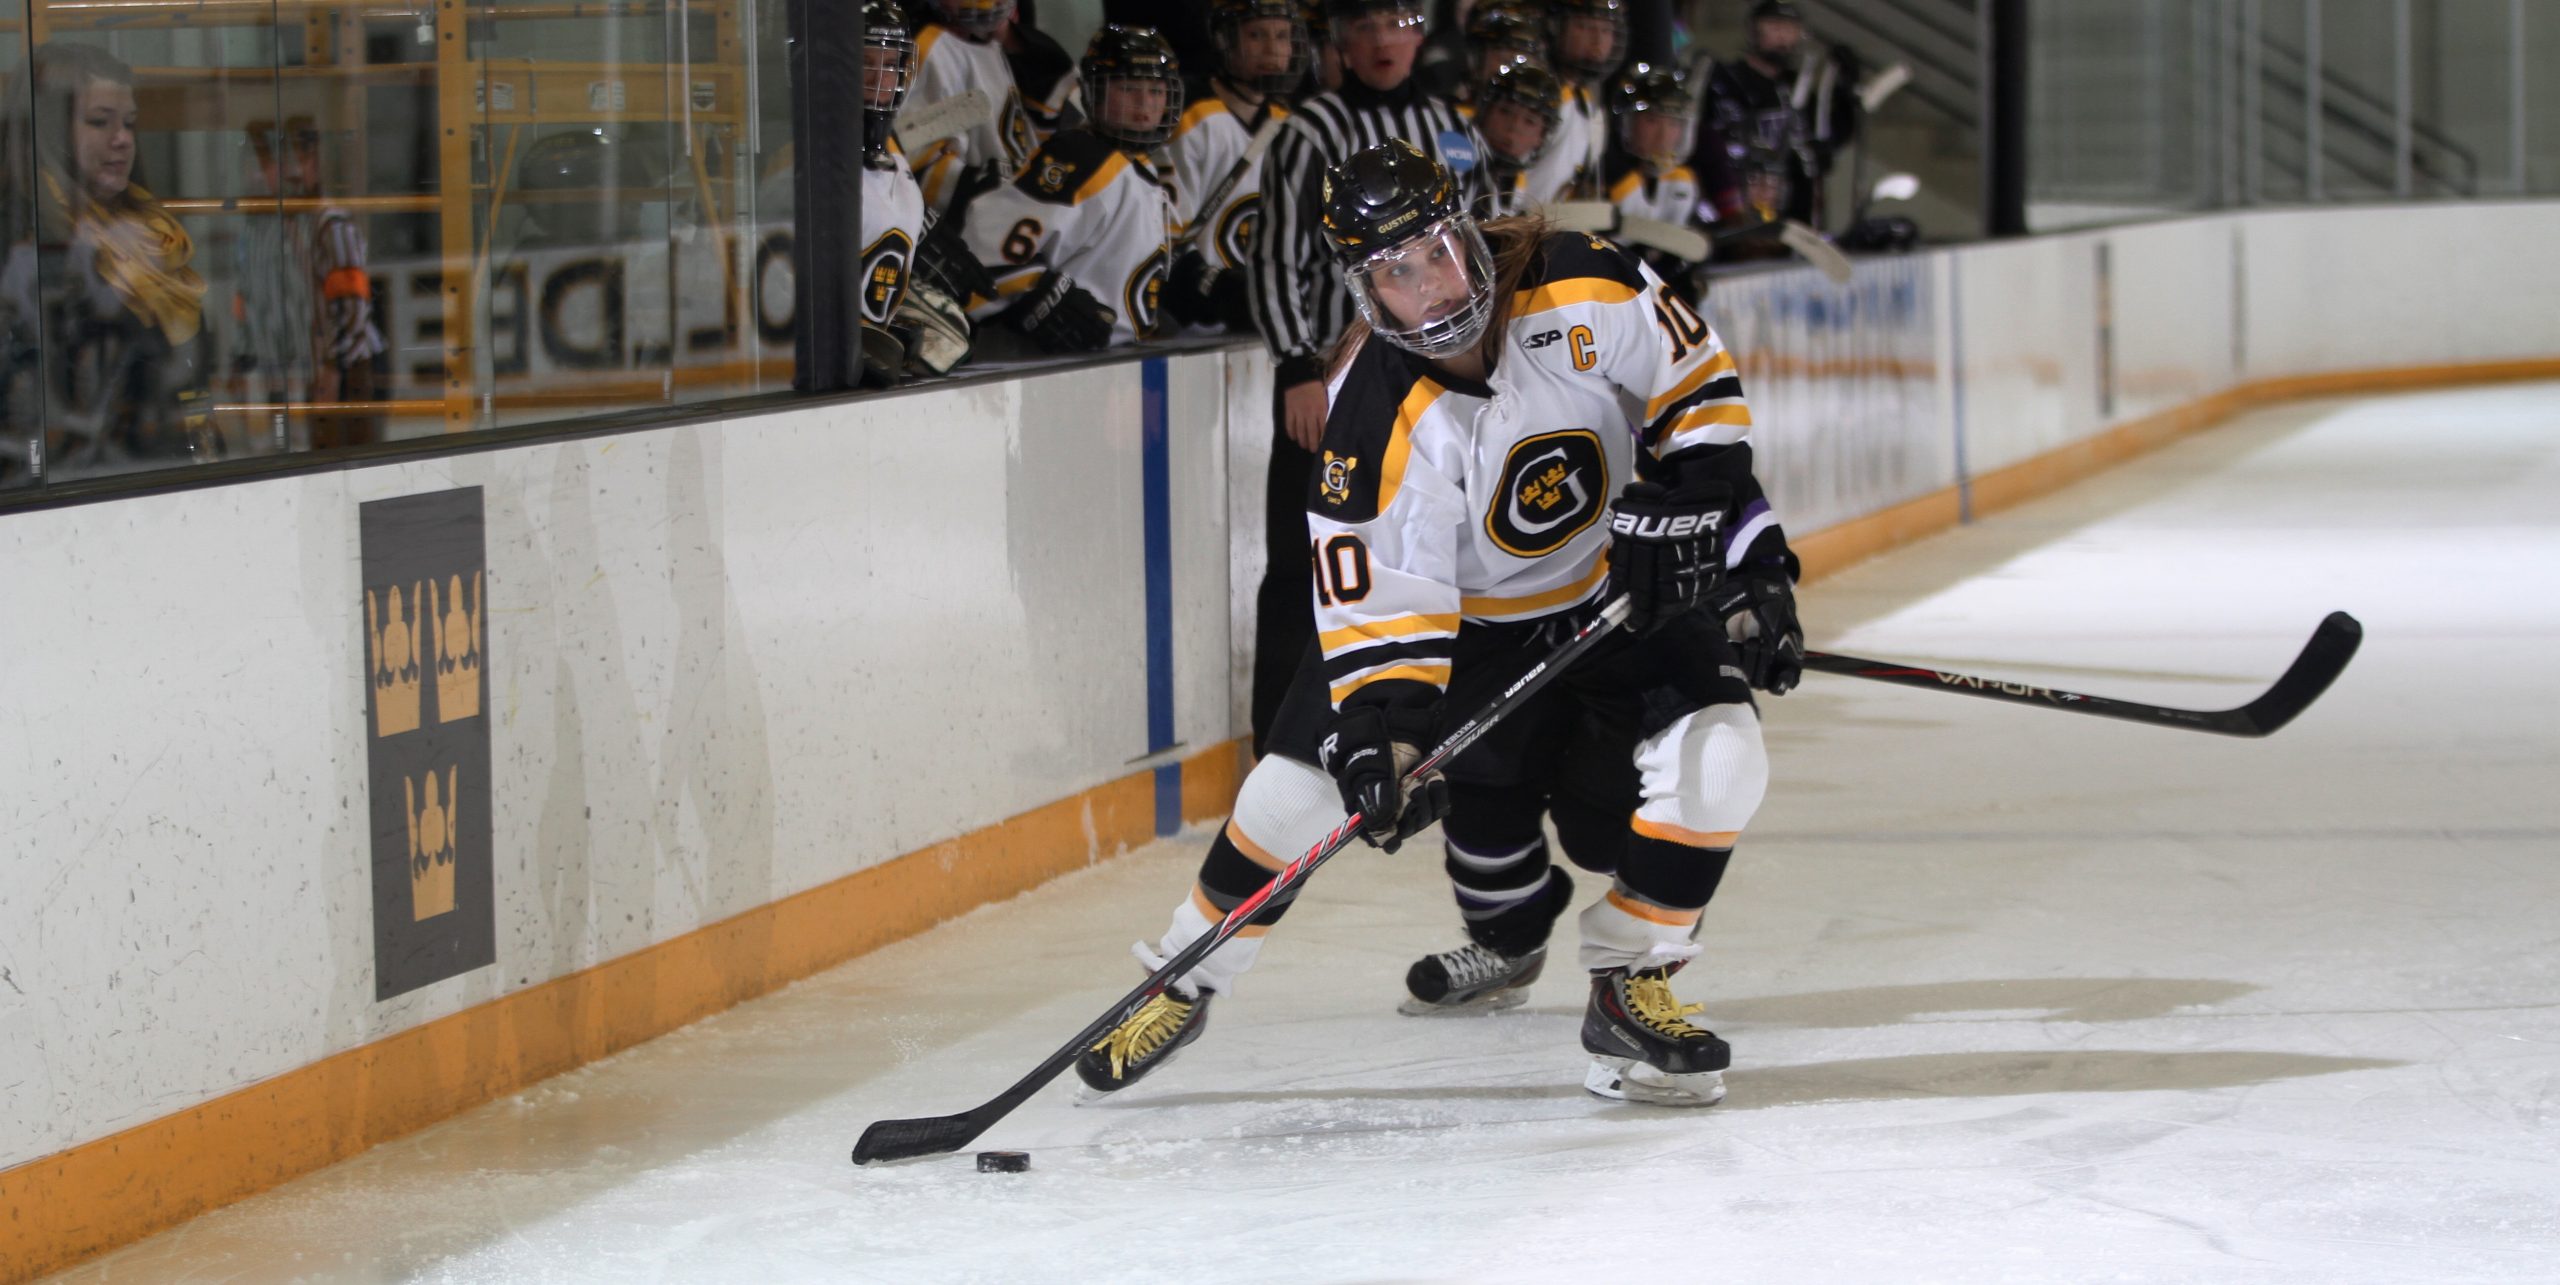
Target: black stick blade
[908,1139]
[2325,657]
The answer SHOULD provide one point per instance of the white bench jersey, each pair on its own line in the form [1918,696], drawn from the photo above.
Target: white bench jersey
[1086,208]
[1206,145]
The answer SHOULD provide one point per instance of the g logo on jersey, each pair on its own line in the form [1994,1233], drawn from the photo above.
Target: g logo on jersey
[1145,293]
[1552,488]
[1235,228]
[884,274]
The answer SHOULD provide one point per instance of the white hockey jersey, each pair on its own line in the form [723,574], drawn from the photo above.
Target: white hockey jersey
[1086,208]
[892,223]
[1570,171]
[1671,196]
[1435,502]
[1207,143]
[947,65]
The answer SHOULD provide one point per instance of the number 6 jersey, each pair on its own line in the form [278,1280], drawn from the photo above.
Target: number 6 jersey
[1098,213]
[1436,501]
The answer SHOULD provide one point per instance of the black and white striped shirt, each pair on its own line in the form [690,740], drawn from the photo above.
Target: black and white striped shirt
[1297,301]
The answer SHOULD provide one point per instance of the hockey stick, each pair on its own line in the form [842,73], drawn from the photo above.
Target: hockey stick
[949,118]
[2332,645]
[1254,147]
[1817,250]
[931,1135]
[1604,219]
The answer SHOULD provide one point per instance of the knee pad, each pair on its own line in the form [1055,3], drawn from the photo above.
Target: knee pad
[1703,776]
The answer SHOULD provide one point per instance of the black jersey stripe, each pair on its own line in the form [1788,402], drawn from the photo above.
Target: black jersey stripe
[1425,651]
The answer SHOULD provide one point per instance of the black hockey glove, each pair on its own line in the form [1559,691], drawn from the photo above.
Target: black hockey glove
[1061,317]
[1666,549]
[884,356]
[944,260]
[1759,609]
[1368,750]
[1199,293]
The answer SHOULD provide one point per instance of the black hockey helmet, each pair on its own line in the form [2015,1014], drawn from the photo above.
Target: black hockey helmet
[1506,29]
[1561,15]
[1121,55]
[1648,93]
[979,20]
[1227,19]
[1532,88]
[888,70]
[1341,13]
[1415,262]
[1788,58]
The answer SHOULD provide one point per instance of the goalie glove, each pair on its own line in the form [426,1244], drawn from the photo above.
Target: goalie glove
[937,330]
[1367,751]
[1061,316]
[1666,548]
[1759,609]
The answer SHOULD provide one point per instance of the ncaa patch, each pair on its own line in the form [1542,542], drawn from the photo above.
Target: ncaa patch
[1458,150]
[1554,486]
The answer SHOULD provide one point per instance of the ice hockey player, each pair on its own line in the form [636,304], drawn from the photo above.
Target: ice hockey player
[892,206]
[1647,171]
[1586,40]
[1516,109]
[957,52]
[1772,102]
[1078,243]
[1504,384]
[1498,34]
[1263,55]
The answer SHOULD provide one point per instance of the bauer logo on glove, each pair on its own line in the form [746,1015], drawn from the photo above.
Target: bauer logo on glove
[1655,526]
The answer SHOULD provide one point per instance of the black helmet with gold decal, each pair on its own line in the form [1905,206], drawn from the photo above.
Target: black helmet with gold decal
[1413,258]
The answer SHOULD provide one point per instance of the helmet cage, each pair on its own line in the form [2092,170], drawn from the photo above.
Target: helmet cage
[1226,31]
[1097,95]
[979,20]
[1560,19]
[1516,84]
[902,48]
[1386,277]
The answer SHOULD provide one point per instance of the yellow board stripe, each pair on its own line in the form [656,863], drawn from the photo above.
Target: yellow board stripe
[1567,595]
[1720,364]
[1669,833]
[1436,675]
[107,1192]
[1333,640]
[1653,914]
[1566,293]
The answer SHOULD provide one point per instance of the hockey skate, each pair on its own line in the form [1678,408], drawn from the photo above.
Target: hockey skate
[1642,1045]
[1492,972]
[1145,1039]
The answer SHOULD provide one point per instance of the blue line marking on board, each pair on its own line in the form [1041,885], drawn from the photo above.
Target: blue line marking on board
[1156,483]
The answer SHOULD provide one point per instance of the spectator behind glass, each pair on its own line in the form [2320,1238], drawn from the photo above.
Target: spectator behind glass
[305,297]
[100,308]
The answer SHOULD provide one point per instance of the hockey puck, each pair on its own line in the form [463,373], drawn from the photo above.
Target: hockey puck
[1004,1161]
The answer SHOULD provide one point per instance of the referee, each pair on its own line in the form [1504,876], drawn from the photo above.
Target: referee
[1299,305]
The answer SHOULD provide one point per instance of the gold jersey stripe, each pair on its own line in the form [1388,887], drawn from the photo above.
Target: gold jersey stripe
[1565,596]
[1726,414]
[1720,364]
[1333,640]
[1400,441]
[1436,675]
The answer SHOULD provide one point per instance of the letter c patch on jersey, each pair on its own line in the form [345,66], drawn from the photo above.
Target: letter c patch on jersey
[1554,486]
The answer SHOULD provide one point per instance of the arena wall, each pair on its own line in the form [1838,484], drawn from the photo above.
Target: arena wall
[763,693]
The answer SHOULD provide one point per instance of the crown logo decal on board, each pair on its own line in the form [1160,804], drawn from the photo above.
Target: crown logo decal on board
[391,644]
[431,829]
[461,638]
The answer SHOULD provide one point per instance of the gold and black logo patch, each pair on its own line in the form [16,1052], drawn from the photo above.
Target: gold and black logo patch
[1236,226]
[1144,294]
[1334,482]
[1554,486]
[884,275]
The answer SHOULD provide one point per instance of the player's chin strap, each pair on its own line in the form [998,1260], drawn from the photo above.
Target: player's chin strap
[932,1135]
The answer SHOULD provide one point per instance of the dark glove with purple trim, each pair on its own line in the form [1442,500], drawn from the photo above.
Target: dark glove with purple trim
[1368,750]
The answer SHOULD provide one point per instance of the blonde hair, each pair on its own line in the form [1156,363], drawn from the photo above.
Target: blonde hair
[1514,240]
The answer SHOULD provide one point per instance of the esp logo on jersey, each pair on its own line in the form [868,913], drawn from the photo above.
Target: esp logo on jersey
[1552,485]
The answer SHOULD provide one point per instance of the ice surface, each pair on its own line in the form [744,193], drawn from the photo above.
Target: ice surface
[2014,995]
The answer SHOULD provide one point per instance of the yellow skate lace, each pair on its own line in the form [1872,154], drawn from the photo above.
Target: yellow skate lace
[1658,1008]
[1144,1031]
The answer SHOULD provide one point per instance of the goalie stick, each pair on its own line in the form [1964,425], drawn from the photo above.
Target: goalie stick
[2332,645]
[1604,219]
[932,1135]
